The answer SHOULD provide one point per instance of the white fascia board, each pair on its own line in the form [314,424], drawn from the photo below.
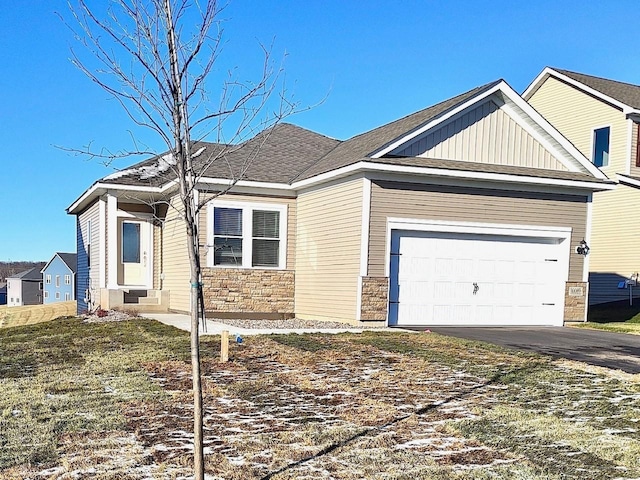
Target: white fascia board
[437,121]
[455,174]
[246,186]
[581,86]
[98,189]
[628,180]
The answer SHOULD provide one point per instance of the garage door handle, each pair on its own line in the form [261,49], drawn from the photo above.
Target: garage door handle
[475,288]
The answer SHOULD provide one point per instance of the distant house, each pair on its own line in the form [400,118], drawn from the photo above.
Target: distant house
[3,293]
[25,288]
[59,278]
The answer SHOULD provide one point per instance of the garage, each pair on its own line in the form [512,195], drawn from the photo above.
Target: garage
[463,274]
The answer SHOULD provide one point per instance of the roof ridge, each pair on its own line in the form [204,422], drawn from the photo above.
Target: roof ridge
[561,70]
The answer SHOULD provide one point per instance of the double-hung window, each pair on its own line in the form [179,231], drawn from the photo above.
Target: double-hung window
[247,235]
[67,279]
[48,279]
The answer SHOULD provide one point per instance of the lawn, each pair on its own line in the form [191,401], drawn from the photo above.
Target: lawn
[112,401]
[619,317]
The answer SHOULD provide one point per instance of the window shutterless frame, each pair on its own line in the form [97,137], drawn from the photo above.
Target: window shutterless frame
[248,209]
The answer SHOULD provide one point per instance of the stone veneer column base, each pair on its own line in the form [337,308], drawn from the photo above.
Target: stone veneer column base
[575,301]
[248,293]
[375,291]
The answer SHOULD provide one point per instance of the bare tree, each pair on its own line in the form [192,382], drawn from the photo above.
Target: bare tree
[157,58]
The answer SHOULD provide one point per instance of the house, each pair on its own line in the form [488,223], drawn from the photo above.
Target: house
[3,293]
[473,211]
[59,278]
[601,118]
[25,288]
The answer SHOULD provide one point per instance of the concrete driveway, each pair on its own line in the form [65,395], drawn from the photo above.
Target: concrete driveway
[612,350]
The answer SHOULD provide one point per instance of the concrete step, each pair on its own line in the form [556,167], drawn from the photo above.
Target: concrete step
[149,301]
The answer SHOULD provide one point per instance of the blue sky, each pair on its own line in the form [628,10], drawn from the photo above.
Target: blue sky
[374,61]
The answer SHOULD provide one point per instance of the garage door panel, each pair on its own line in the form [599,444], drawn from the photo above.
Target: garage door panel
[435,277]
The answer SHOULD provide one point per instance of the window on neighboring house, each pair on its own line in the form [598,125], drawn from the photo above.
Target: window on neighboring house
[57,295]
[48,279]
[46,294]
[40,286]
[67,296]
[601,138]
[248,235]
[57,281]
[67,279]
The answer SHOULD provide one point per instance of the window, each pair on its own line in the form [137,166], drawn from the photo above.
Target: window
[67,296]
[40,286]
[601,146]
[57,295]
[47,279]
[57,281]
[46,294]
[130,242]
[67,279]
[247,235]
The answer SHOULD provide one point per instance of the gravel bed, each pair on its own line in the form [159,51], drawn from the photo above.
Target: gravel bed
[292,323]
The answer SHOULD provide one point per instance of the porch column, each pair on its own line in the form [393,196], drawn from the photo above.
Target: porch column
[112,242]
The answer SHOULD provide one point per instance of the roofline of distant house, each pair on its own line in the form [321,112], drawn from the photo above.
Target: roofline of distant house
[627,109]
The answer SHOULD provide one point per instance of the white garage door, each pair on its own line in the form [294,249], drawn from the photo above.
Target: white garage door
[441,278]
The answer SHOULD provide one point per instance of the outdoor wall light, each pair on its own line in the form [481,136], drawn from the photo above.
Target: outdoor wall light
[583,248]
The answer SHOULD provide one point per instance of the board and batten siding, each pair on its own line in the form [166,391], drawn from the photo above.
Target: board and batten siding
[486,134]
[575,114]
[87,277]
[614,243]
[175,258]
[634,169]
[328,251]
[232,197]
[463,204]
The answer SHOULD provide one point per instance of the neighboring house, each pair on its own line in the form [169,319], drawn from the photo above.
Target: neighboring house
[25,288]
[468,212]
[601,118]
[59,278]
[3,293]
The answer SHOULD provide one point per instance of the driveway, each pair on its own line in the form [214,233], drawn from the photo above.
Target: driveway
[605,349]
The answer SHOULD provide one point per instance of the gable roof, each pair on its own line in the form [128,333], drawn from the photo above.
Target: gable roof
[33,274]
[287,157]
[364,145]
[69,259]
[625,96]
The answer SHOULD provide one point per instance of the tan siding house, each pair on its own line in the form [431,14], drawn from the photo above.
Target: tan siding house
[469,212]
[578,106]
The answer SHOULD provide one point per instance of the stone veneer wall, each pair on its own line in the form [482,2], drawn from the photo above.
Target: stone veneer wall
[248,291]
[375,292]
[575,298]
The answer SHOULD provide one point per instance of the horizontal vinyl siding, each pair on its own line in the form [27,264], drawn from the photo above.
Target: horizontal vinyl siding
[635,169]
[614,242]
[291,220]
[176,258]
[432,202]
[575,114]
[328,251]
[88,278]
[486,134]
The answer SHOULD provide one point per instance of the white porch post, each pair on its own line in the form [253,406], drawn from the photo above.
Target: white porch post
[102,243]
[112,242]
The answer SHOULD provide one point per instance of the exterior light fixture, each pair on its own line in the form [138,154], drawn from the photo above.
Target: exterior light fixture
[583,248]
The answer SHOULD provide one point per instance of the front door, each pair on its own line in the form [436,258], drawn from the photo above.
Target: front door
[134,253]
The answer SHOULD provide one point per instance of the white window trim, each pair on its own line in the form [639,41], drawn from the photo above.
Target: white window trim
[247,233]
[57,295]
[48,279]
[67,296]
[46,294]
[593,143]
[67,279]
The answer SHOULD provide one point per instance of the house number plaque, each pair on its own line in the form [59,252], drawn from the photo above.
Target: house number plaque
[576,291]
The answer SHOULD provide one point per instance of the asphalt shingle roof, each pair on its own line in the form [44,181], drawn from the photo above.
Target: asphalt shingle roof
[626,93]
[276,155]
[361,146]
[70,259]
[31,274]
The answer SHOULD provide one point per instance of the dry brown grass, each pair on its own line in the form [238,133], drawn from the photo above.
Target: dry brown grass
[31,314]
